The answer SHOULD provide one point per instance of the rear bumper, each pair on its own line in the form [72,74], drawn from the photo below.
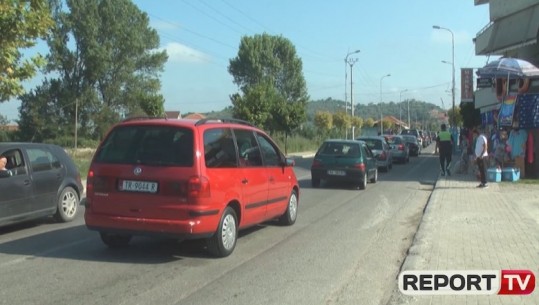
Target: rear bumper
[382,163]
[400,155]
[350,175]
[203,226]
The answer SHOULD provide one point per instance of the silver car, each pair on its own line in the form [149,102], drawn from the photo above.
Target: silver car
[381,150]
[399,148]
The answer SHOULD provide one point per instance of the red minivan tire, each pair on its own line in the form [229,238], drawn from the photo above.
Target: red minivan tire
[223,242]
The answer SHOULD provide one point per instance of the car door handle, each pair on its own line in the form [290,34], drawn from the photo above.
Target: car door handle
[26,182]
[244,181]
[271,179]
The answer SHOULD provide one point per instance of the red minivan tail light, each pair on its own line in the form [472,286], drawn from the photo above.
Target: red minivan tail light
[401,147]
[198,186]
[90,182]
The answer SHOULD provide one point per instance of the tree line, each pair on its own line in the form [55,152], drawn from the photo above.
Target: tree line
[104,64]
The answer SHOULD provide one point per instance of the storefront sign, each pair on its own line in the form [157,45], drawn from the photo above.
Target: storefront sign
[466,80]
[485,83]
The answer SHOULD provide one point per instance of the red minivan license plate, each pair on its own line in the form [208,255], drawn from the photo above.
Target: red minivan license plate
[138,186]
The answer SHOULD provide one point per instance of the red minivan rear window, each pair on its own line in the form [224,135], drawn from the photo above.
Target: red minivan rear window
[148,145]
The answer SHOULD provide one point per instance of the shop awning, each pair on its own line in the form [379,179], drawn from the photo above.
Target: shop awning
[513,32]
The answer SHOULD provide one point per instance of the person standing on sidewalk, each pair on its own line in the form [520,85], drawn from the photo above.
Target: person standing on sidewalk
[481,156]
[444,143]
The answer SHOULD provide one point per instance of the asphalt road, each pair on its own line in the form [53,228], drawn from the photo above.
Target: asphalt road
[345,248]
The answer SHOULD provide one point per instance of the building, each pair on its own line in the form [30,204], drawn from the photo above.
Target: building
[513,32]
[173,114]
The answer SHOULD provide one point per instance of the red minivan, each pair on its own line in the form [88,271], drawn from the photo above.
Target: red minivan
[188,179]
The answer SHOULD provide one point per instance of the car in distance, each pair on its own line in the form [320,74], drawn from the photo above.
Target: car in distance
[414,132]
[400,149]
[41,181]
[413,144]
[381,151]
[188,179]
[346,161]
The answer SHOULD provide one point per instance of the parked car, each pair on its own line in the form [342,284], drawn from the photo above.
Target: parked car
[41,181]
[381,150]
[344,160]
[400,149]
[413,132]
[188,179]
[413,144]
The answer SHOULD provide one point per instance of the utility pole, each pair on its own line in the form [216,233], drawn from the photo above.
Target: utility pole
[346,83]
[351,62]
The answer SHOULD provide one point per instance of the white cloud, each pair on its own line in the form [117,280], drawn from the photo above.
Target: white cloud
[178,52]
[164,25]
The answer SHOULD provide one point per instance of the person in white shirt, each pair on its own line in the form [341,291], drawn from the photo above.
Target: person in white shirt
[481,156]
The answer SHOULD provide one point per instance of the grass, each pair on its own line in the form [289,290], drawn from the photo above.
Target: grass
[82,158]
[528,181]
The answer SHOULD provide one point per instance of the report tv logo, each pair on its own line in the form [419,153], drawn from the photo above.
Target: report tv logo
[467,282]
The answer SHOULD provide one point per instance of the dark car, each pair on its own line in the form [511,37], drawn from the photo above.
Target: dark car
[381,150]
[399,148]
[413,144]
[42,181]
[344,160]
[413,132]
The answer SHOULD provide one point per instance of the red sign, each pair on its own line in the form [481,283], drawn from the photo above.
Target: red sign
[466,85]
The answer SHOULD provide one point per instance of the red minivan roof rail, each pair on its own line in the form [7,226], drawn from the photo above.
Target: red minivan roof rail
[223,120]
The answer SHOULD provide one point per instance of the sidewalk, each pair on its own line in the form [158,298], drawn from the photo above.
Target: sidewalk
[467,228]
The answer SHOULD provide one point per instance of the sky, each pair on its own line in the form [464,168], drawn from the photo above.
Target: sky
[393,37]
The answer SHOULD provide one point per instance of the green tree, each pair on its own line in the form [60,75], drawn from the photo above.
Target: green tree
[22,23]
[105,57]
[342,121]
[323,120]
[357,122]
[369,122]
[269,63]
[4,135]
[41,116]
[256,113]
[455,116]
[387,124]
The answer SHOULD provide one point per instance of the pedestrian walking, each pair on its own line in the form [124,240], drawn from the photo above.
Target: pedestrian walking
[481,156]
[444,142]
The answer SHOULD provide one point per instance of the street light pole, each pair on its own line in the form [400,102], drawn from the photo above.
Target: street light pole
[346,78]
[400,107]
[381,125]
[454,119]
[351,62]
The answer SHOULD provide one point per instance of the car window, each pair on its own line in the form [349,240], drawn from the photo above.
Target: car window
[367,151]
[395,140]
[249,152]
[338,148]
[271,154]
[41,159]
[374,144]
[219,148]
[354,151]
[15,161]
[149,145]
